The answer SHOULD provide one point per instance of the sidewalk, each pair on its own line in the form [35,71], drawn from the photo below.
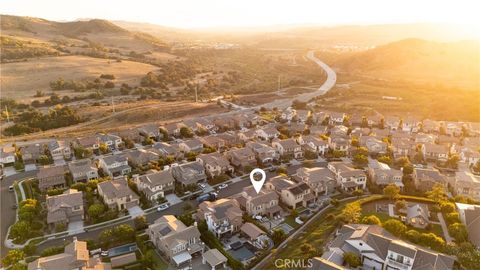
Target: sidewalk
[447,236]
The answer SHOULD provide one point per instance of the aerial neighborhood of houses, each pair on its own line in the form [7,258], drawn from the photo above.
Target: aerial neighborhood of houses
[183,190]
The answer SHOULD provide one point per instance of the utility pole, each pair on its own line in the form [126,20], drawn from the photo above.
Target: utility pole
[196,93]
[6,112]
[278,85]
[113,106]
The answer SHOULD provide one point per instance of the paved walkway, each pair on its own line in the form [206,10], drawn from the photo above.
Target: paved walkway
[447,236]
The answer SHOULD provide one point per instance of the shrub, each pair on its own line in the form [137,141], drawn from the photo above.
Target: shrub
[396,227]
[352,259]
[371,220]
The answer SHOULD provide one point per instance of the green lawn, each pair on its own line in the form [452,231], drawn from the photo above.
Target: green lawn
[291,221]
[159,263]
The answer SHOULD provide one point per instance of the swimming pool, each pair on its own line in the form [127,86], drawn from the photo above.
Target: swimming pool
[242,253]
[122,250]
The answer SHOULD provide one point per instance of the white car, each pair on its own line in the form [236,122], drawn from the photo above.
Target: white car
[104,253]
[162,207]
[202,186]
[223,186]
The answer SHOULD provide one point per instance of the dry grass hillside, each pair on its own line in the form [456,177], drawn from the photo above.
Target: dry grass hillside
[21,80]
[448,64]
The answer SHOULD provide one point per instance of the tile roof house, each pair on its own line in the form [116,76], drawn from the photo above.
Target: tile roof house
[30,153]
[265,154]
[7,155]
[175,240]
[141,157]
[468,184]
[51,177]
[150,131]
[425,138]
[223,216]
[83,170]
[247,135]
[378,249]
[336,118]
[313,144]
[374,145]
[403,147]
[213,141]
[317,130]
[117,194]
[348,177]
[267,133]
[115,165]
[302,115]
[155,184]
[263,203]
[93,142]
[215,259]
[436,152]
[425,179]
[215,164]
[59,149]
[339,131]
[193,145]
[469,156]
[288,148]
[172,129]
[132,134]
[470,217]
[292,194]
[241,158]
[320,180]
[165,149]
[341,144]
[75,256]
[189,173]
[254,235]
[230,138]
[288,114]
[64,208]
[382,175]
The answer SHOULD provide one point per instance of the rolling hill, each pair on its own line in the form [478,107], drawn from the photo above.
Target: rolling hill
[454,63]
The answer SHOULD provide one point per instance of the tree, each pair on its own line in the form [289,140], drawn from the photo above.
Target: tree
[96,210]
[385,159]
[352,259]
[458,231]
[437,193]
[140,222]
[452,218]
[20,230]
[413,236]
[357,192]
[400,205]
[103,147]
[360,159]
[281,170]
[186,132]
[447,207]
[371,220]
[351,212]
[278,236]
[187,219]
[391,191]
[44,160]
[148,258]
[394,226]
[13,257]
[452,161]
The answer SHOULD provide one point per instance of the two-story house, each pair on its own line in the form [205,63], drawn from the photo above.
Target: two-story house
[189,173]
[241,158]
[59,150]
[313,144]
[292,194]
[467,184]
[436,152]
[378,249]
[382,175]
[155,184]
[425,179]
[215,164]
[141,157]
[267,133]
[65,208]
[51,177]
[348,177]
[223,217]
[193,145]
[177,242]
[115,165]
[263,203]
[150,131]
[7,155]
[320,180]
[265,154]
[82,170]
[117,194]
[288,148]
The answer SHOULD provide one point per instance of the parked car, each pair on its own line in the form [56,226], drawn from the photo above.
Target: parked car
[104,253]
[95,251]
[223,186]
[15,206]
[212,196]
[10,188]
[163,207]
[202,186]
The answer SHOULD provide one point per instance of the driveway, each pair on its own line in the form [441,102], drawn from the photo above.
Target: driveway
[59,162]
[173,199]
[30,167]
[8,171]
[75,227]
[135,211]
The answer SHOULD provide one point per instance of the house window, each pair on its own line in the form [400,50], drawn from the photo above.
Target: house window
[399,258]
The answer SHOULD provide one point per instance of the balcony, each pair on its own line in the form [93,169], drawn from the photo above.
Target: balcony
[393,262]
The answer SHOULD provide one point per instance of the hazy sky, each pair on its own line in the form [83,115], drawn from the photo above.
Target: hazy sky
[245,13]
